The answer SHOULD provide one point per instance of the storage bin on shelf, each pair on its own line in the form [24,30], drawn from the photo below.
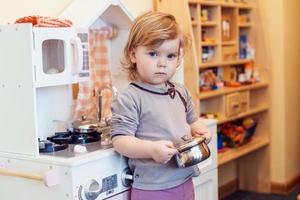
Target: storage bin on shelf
[236,133]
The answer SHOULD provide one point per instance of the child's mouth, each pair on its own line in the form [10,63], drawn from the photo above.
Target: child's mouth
[160,73]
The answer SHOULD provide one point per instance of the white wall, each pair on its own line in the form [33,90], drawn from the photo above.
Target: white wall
[10,10]
[138,8]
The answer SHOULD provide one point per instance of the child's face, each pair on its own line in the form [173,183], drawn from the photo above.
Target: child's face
[157,65]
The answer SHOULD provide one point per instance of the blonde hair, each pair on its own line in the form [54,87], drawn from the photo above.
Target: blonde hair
[151,29]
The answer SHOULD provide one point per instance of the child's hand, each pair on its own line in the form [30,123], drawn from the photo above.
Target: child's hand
[206,134]
[199,129]
[163,151]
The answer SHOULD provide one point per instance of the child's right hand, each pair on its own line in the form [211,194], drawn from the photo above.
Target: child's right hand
[163,151]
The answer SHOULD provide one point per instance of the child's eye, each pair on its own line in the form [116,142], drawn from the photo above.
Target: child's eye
[152,53]
[172,56]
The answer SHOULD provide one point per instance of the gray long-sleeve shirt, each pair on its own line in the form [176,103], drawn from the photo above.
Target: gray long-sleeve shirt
[150,116]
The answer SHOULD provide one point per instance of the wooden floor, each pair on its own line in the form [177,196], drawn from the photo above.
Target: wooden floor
[246,195]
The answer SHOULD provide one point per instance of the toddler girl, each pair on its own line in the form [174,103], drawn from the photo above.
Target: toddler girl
[153,113]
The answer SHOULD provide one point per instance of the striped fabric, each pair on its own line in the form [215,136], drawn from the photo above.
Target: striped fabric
[39,21]
[100,79]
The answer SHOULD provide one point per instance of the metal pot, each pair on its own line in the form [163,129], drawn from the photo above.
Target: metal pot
[192,151]
[85,125]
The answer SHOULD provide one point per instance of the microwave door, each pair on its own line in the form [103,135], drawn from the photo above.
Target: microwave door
[53,56]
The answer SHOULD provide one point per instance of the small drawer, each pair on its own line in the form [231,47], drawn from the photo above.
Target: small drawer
[244,101]
[229,53]
[232,104]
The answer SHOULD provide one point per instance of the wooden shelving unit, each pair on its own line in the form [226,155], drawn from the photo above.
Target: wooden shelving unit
[235,22]
[218,27]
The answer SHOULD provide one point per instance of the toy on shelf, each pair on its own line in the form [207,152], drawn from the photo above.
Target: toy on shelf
[211,79]
[208,54]
[235,76]
[246,50]
[206,39]
[236,133]
[211,41]
[244,18]
[206,15]
[231,77]
[212,115]
[226,24]
[250,127]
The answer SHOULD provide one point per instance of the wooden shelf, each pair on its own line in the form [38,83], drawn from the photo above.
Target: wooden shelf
[224,63]
[251,111]
[232,154]
[236,62]
[227,90]
[245,25]
[245,6]
[209,23]
[209,64]
[229,5]
[209,3]
[209,44]
[228,43]
[236,5]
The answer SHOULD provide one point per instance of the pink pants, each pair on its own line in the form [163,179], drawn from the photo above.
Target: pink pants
[184,191]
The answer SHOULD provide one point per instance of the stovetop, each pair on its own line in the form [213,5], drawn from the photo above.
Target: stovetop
[71,144]
[74,150]
[74,138]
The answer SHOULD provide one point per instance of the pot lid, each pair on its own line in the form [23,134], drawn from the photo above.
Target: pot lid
[85,124]
[189,142]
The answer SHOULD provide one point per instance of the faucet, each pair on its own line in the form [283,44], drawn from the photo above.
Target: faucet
[114,91]
[106,123]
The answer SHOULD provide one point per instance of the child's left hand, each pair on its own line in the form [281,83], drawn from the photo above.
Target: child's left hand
[199,129]
[203,133]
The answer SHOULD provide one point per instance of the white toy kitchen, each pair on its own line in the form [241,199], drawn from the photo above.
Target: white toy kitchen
[38,68]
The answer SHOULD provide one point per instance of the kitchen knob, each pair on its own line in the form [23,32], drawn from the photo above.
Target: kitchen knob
[92,190]
[126,177]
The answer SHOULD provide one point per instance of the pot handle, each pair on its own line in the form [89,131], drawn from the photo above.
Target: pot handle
[185,138]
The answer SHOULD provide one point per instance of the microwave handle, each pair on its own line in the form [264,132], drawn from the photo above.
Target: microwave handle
[77,55]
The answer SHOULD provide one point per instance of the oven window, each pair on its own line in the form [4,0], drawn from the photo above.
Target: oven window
[53,53]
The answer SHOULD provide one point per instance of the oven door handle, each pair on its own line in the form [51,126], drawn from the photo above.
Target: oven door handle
[50,178]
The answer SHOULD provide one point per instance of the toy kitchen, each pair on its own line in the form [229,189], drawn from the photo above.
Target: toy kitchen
[41,157]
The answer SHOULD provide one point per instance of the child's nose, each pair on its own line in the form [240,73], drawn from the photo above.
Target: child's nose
[162,62]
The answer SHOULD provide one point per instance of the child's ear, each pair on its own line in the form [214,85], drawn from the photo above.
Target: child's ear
[132,56]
